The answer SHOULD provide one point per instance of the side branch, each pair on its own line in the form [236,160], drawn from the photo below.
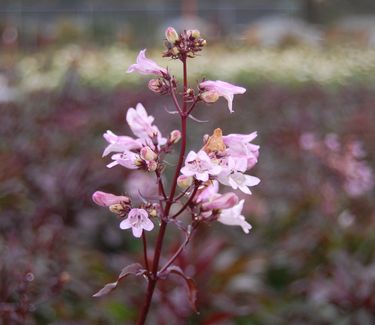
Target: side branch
[179,250]
[188,202]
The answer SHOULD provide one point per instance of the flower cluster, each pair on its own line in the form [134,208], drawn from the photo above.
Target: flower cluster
[222,160]
[186,44]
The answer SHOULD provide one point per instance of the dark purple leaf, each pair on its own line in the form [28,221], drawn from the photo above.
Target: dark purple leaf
[190,284]
[135,269]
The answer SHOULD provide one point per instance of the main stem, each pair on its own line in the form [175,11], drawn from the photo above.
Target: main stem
[153,278]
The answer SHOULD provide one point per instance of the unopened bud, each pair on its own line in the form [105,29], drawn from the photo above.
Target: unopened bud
[155,85]
[117,209]
[195,33]
[184,181]
[225,201]
[152,212]
[204,43]
[171,35]
[175,51]
[210,96]
[175,136]
[190,92]
[152,165]
[107,199]
[148,154]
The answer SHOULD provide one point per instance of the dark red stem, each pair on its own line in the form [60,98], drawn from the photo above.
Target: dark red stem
[144,241]
[159,241]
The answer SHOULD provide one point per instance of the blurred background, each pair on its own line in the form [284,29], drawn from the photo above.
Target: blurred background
[309,70]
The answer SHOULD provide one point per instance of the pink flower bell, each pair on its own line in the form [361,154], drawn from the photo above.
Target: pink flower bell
[223,89]
[147,66]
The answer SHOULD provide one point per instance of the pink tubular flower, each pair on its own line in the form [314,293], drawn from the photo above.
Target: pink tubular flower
[126,159]
[107,199]
[221,201]
[240,148]
[200,166]
[119,143]
[146,66]
[141,124]
[223,89]
[233,217]
[137,220]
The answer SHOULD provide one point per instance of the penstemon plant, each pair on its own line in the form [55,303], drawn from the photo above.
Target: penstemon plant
[194,188]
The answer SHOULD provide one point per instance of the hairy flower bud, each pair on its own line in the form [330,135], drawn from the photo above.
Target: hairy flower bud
[171,35]
[148,154]
[184,181]
[174,137]
[210,96]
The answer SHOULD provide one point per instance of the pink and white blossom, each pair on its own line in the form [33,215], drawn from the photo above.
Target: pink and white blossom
[119,143]
[141,124]
[240,148]
[223,89]
[107,199]
[233,217]
[239,180]
[138,221]
[200,166]
[147,66]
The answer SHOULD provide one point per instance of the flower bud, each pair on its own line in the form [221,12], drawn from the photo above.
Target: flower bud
[148,154]
[152,165]
[225,201]
[119,209]
[175,136]
[184,181]
[209,96]
[175,51]
[107,199]
[171,35]
[153,213]
[203,43]
[195,33]
[155,85]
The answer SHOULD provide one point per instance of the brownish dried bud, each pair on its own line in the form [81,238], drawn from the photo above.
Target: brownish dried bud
[215,142]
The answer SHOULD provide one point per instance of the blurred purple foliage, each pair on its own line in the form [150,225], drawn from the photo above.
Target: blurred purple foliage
[308,259]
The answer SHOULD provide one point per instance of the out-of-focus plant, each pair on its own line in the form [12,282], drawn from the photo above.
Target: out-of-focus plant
[222,159]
